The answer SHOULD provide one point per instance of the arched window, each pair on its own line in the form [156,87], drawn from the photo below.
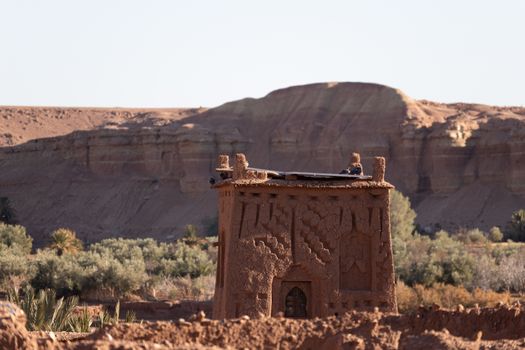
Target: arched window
[295,303]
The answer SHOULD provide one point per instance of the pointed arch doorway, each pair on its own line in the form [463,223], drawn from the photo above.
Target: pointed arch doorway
[293,299]
[296,294]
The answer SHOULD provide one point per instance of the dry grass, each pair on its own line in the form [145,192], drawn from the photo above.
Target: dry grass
[185,288]
[446,296]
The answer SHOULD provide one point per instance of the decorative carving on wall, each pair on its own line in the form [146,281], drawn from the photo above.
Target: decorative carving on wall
[277,243]
[329,239]
[355,261]
[318,225]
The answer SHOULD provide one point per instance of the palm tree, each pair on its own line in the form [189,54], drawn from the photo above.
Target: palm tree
[64,240]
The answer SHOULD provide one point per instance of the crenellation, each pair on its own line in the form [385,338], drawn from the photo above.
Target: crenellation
[378,174]
[224,162]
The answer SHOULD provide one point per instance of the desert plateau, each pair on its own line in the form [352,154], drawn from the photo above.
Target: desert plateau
[141,170]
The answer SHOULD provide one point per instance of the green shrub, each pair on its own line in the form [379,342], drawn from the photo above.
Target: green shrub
[183,260]
[176,259]
[471,236]
[190,231]
[402,227]
[15,269]
[124,249]
[500,251]
[495,234]
[402,215]
[89,271]
[120,248]
[119,276]
[439,260]
[119,266]
[63,274]
[476,236]
[14,237]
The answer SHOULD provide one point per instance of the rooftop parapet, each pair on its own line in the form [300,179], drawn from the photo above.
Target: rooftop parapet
[378,174]
[242,174]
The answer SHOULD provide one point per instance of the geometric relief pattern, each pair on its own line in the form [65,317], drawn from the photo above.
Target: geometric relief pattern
[278,243]
[269,226]
[355,261]
[258,216]
[383,261]
[383,266]
[318,226]
[329,240]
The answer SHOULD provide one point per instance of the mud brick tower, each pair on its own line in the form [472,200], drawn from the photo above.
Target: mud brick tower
[304,244]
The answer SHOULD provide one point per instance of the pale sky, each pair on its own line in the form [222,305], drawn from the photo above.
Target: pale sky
[169,53]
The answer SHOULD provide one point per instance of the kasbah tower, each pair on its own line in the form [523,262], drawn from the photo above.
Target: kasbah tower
[302,245]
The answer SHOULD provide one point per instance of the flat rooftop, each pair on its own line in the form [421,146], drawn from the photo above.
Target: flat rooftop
[351,177]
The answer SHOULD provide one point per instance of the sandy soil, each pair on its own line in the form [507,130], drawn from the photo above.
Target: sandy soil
[487,328]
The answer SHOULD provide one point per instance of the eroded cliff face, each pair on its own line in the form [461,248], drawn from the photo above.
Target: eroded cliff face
[147,173]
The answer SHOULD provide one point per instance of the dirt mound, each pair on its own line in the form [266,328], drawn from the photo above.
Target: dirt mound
[487,328]
[136,172]
[436,329]
[13,332]
[503,322]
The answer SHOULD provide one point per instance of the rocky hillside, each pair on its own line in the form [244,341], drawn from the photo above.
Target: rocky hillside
[145,172]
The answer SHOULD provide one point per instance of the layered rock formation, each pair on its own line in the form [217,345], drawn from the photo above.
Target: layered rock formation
[147,173]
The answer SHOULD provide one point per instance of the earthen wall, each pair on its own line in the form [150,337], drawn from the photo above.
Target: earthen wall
[333,244]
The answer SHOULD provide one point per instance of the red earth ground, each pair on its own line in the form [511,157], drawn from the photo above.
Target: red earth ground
[502,327]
